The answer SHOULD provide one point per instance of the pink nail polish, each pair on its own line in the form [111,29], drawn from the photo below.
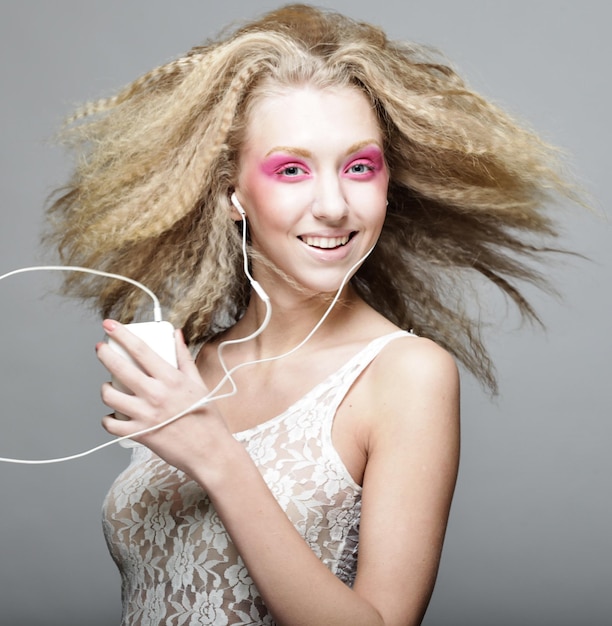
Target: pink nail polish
[109,325]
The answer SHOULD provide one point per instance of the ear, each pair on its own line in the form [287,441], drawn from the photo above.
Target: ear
[238,212]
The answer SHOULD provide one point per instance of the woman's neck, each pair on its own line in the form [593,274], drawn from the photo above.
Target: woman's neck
[293,318]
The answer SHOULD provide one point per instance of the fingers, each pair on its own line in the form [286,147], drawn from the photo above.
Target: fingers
[145,387]
[115,427]
[121,429]
[122,401]
[149,344]
[184,357]
[126,375]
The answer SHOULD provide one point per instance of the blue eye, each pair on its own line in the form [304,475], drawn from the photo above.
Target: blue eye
[292,170]
[360,168]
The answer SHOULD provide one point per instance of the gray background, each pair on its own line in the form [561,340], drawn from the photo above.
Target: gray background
[529,539]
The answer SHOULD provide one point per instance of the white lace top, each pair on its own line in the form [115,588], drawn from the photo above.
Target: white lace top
[178,564]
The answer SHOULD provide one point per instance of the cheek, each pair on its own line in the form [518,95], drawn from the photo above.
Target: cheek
[254,183]
[371,200]
[270,198]
[373,192]
[382,181]
[261,188]
[382,185]
[264,204]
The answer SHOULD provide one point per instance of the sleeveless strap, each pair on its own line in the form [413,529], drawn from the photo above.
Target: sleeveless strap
[341,384]
[347,374]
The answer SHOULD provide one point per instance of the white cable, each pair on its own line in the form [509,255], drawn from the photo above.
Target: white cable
[157,317]
[157,314]
[308,336]
[210,397]
[262,295]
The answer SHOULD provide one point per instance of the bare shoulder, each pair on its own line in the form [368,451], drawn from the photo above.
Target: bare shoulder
[416,367]
[411,393]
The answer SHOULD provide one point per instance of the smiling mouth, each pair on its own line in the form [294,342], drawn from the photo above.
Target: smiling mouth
[327,243]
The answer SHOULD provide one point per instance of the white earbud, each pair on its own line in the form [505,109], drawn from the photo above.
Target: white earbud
[237,204]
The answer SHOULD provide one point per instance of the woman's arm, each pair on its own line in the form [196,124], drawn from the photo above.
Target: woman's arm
[410,478]
[408,485]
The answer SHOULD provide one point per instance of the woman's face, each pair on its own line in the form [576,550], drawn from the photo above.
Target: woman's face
[313,182]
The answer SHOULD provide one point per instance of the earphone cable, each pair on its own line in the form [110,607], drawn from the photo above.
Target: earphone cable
[227,373]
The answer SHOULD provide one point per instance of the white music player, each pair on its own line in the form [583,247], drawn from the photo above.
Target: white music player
[159,336]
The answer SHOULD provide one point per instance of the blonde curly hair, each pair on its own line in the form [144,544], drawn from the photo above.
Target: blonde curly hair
[149,196]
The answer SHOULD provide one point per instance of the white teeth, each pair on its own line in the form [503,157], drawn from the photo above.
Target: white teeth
[325,242]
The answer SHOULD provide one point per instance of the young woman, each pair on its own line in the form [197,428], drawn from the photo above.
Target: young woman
[315,488]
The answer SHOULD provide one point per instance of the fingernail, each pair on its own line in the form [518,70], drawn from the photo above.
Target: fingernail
[109,325]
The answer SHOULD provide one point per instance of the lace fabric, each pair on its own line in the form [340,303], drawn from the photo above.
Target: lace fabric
[177,562]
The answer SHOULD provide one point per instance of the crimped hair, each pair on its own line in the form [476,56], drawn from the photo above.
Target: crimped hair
[149,197]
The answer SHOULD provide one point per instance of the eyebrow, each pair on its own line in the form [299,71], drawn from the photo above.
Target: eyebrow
[296,151]
[307,154]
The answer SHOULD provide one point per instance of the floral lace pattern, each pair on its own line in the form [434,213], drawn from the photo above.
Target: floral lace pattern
[179,566]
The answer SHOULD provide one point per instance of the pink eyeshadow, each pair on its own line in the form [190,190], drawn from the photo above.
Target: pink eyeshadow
[372,154]
[273,163]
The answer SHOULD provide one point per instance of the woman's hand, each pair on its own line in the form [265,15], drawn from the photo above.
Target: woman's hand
[159,392]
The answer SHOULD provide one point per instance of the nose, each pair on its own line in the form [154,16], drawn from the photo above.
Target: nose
[329,203]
